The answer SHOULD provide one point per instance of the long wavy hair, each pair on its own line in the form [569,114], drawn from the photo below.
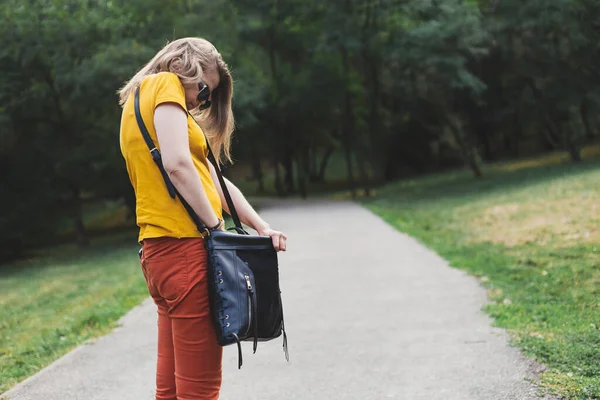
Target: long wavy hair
[189,58]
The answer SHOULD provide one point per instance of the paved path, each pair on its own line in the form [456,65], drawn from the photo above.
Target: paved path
[371,314]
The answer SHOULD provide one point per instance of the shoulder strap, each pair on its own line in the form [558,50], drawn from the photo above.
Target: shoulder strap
[170,187]
[153,150]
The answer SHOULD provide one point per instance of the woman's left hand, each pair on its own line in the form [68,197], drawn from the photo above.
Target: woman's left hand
[279,238]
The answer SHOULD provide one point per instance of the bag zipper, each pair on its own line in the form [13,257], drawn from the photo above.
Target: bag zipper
[250,292]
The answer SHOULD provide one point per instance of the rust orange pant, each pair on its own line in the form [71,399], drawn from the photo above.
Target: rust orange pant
[189,357]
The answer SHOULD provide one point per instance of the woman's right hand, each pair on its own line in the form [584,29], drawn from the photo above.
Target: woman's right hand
[279,238]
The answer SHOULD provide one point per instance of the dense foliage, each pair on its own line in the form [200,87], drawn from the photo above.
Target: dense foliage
[397,86]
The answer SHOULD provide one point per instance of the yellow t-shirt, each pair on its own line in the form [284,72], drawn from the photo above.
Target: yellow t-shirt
[157,213]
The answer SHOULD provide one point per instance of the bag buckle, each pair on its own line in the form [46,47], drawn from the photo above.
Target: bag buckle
[204,233]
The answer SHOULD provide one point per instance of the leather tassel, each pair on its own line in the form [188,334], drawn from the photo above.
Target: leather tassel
[285,341]
[239,346]
[285,347]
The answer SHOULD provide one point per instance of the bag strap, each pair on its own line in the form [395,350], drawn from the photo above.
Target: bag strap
[155,153]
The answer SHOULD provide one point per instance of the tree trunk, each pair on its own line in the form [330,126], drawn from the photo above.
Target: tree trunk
[324,162]
[313,164]
[81,236]
[468,151]
[551,141]
[485,141]
[258,175]
[278,183]
[574,151]
[350,169]
[584,112]
[303,173]
[372,65]
[348,122]
[475,168]
[573,135]
[272,46]
[257,172]
[553,131]
[516,135]
[361,163]
[288,166]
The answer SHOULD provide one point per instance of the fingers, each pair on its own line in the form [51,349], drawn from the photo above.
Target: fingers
[282,242]
[278,238]
[275,239]
[279,242]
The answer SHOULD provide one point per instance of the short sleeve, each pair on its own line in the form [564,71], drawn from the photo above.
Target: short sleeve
[169,90]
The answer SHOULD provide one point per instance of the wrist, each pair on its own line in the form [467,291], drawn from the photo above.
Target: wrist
[218,226]
[262,226]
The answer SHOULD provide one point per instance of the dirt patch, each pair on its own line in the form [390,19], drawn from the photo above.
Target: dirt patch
[559,157]
[563,222]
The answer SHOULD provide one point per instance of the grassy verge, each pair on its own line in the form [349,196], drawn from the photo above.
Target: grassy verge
[53,303]
[530,231]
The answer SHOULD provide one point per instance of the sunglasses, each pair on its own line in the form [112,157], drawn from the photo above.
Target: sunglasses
[203,96]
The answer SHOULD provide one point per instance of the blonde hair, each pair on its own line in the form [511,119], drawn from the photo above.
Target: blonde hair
[189,58]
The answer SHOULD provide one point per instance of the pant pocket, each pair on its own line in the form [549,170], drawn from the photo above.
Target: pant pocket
[168,276]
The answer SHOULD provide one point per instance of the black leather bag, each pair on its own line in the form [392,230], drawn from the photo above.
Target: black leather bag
[243,272]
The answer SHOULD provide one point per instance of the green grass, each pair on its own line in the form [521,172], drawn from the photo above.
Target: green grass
[52,303]
[530,231]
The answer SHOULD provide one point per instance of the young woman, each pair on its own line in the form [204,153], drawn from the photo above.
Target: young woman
[186,75]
